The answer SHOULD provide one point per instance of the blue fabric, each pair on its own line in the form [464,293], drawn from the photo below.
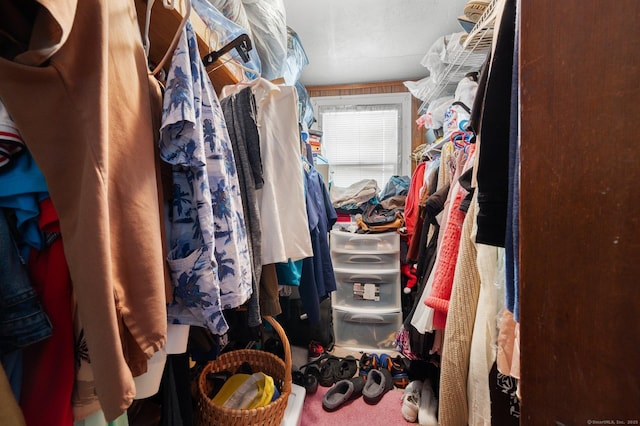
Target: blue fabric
[12,364]
[208,256]
[22,319]
[318,280]
[289,272]
[512,239]
[397,185]
[22,187]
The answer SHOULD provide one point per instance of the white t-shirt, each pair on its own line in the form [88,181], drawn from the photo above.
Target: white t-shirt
[285,225]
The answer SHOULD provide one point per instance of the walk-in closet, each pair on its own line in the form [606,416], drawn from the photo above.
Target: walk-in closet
[299,213]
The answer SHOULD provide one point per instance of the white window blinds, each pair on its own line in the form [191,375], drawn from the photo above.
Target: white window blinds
[361,141]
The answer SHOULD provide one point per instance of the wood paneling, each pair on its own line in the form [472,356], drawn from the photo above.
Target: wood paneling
[417,136]
[580,221]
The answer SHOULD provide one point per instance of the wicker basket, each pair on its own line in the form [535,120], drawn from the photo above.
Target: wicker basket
[210,414]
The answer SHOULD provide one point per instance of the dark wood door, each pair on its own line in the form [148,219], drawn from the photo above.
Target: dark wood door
[580,212]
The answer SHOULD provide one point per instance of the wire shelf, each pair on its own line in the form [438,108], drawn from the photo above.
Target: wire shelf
[472,53]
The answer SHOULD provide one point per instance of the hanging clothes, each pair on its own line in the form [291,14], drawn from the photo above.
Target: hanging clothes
[23,321]
[427,186]
[485,332]
[422,317]
[51,360]
[453,404]
[285,226]
[208,250]
[494,130]
[22,187]
[445,267]
[412,208]
[239,113]
[82,100]
[317,280]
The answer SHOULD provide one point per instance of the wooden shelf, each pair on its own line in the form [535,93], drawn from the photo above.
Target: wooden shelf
[163,26]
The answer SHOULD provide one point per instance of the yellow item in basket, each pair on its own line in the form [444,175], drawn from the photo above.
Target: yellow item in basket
[230,386]
[255,391]
[266,388]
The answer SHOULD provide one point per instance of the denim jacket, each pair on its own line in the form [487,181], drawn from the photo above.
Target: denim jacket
[22,319]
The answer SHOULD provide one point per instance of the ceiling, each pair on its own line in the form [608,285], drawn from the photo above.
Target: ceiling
[363,41]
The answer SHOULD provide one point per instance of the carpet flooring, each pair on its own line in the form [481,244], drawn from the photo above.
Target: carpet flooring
[354,413]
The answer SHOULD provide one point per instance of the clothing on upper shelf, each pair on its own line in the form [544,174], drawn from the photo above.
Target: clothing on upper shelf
[285,226]
[208,251]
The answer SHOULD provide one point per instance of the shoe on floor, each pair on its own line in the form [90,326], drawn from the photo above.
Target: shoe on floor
[316,350]
[306,378]
[329,371]
[312,378]
[378,383]
[367,363]
[341,392]
[399,368]
[346,368]
[427,415]
[384,362]
[411,401]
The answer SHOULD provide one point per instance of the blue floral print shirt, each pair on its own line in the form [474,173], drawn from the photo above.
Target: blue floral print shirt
[208,253]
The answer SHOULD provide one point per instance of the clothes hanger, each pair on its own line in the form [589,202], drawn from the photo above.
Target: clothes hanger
[168,4]
[242,44]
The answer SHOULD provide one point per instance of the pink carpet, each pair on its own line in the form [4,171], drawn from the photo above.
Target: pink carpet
[353,413]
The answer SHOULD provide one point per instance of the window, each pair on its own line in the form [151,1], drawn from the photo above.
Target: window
[365,137]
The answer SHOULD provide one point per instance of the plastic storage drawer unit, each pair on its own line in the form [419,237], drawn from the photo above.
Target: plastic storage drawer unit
[343,259]
[347,242]
[374,288]
[366,329]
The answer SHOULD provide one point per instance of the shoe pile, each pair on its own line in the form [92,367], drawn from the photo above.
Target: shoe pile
[397,366]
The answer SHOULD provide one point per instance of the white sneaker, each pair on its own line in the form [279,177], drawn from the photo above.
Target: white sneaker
[411,401]
[428,406]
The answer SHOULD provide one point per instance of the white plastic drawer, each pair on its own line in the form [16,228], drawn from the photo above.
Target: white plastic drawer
[366,329]
[365,260]
[377,289]
[347,242]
